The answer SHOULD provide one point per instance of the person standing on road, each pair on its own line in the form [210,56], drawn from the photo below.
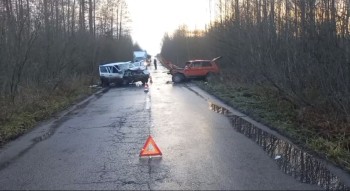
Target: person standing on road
[155,64]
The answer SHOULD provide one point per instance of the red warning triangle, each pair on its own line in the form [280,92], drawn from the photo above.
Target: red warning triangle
[146,87]
[150,148]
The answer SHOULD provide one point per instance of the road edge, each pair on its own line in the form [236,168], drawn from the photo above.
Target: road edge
[16,148]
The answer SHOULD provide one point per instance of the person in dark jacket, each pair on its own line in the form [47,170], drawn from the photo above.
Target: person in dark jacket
[155,64]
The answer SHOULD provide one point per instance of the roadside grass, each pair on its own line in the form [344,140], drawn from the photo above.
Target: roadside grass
[19,118]
[320,134]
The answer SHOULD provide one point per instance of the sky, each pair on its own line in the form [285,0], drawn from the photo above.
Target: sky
[151,19]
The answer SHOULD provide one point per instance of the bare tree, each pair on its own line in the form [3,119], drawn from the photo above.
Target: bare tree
[299,47]
[47,48]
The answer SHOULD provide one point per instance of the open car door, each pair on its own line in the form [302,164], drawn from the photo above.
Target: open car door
[217,58]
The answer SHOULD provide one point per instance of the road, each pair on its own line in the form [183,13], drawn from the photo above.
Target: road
[96,145]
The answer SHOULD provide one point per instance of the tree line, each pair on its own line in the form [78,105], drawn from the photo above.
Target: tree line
[49,45]
[301,48]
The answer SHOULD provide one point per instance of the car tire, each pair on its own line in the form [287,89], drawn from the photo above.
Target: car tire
[125,82]
[209,77]
[177,78]
[104,83]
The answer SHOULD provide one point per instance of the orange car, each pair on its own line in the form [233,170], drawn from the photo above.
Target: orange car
[195,69]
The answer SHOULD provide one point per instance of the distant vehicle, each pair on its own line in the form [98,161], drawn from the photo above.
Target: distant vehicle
[140,56]
[113,72]
[195,69]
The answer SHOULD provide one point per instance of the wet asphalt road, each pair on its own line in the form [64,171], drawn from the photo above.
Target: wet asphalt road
[96,145]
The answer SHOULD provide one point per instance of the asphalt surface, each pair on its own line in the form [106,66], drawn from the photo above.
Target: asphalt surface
[96,145]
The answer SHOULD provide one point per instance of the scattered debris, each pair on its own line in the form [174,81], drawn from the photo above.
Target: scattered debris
[278,157]
[93,86]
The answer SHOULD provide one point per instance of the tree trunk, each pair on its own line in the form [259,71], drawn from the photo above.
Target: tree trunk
[91,29]
[73,17]
[121,21]
[237,15]
[302,17]
[63,20]
[296,28]
[82,15]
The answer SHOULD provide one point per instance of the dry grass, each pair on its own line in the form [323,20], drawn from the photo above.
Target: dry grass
[33,105]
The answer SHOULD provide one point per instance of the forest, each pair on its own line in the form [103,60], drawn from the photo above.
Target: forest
[49,54]
[296,50]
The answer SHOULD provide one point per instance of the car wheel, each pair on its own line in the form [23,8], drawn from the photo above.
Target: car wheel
[104,83]
[177,78]
[125,82]
[209,77]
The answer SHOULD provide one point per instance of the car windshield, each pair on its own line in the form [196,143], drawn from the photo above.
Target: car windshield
[124,66]
[103,69]
[137,64]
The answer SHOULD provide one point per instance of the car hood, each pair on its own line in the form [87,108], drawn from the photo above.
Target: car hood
[138,68]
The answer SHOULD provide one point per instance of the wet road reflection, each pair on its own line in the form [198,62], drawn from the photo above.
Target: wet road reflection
[218,109]
[290,159]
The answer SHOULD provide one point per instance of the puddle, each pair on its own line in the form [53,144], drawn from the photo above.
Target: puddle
[290,159]
[218,109]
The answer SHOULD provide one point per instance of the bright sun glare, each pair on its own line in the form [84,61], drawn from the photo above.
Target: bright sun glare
[151,19]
